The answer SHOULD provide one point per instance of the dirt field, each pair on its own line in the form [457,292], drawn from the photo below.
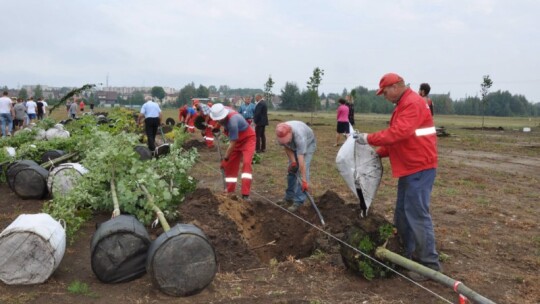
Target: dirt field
[484,207]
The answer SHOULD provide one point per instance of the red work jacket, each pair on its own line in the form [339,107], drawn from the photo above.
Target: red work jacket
[182,113]
[411,139]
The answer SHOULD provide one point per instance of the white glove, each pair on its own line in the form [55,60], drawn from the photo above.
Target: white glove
[361,138]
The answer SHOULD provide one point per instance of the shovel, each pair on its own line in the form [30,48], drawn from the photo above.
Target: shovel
[312,202]
[164,148]
[218,137]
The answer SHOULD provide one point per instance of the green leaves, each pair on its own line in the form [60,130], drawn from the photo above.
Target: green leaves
[110,153]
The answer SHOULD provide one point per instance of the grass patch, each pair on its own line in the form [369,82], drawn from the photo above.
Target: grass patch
[274,265]
[443,257]
[318,255]
[81,288]
[483,201]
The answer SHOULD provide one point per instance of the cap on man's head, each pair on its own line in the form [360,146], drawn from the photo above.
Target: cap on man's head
[218,111]
[283,133]
[388,80]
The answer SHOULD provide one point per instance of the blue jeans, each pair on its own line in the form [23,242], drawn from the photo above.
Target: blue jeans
[5,118]
[294,188]
[412,218]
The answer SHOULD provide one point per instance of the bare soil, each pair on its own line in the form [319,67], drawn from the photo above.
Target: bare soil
[485,211]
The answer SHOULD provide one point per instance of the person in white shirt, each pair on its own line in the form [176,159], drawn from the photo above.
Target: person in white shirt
[151,113]
[6,114]
[31,107]
[45,105]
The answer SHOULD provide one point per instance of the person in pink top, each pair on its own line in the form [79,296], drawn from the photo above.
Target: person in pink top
[342,120]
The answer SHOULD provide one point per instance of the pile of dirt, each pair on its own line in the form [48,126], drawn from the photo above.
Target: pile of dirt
[193,144]
[247,235]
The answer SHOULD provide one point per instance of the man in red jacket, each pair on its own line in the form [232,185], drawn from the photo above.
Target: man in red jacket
[411,144]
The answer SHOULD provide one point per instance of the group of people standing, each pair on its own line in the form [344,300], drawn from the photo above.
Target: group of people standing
[73,107]
[15,113]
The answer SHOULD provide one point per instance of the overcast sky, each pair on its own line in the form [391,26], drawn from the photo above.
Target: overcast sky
[450,44]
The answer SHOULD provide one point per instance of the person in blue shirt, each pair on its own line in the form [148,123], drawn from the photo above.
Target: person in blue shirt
[247,109]
[151,113]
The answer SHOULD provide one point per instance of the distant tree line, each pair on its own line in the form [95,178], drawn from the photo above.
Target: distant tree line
[190,91]
[499,103]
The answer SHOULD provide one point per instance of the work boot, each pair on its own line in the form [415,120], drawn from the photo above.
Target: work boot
[284,202]
[294,207]
[246,198]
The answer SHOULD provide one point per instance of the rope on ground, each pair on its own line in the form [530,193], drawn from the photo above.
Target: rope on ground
[343,242]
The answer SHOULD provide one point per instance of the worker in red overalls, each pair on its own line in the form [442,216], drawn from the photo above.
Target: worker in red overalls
[192,114]
[209,126]
[241,148]
[182,114]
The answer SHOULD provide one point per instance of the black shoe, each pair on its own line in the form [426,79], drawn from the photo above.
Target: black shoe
[246,198]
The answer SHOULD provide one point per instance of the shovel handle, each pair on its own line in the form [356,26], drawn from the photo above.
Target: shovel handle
[312,202]
[220,159]
[315,207]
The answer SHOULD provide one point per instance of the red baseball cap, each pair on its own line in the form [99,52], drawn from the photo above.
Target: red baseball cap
[388,80]
[283,133]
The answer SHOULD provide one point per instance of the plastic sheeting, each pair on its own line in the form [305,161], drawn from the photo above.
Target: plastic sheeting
[361,168]
[119,250]
[63,179]
[182,261]
[31,182]
[31,249]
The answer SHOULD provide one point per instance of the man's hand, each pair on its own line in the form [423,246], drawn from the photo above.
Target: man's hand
[293,168]
[224,163]
[304,186]
[361,138]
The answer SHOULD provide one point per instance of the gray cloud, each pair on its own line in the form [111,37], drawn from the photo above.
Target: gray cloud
[450,44]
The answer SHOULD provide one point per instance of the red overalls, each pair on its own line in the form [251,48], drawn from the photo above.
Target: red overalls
[182,114]
[243,151]
[208,134]
[191,122]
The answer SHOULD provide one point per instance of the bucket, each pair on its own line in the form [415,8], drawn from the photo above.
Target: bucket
[32,247]
[64,178]
[31,182]
[181,261]
[119,249]
[50,155]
